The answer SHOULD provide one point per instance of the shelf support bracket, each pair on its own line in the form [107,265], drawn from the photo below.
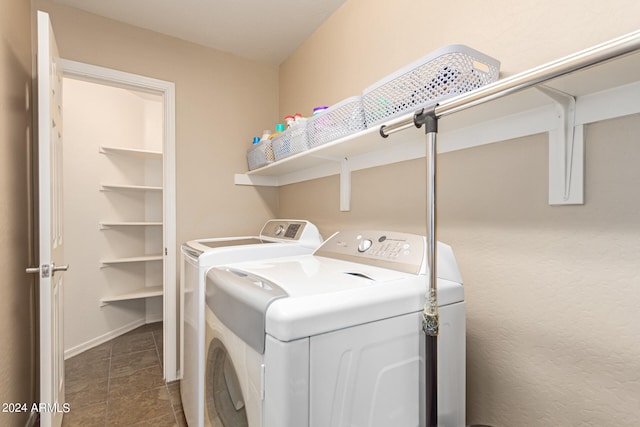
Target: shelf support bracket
[345,185]
[566,151]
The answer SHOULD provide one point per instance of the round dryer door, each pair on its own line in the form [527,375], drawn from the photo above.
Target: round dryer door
[224,400]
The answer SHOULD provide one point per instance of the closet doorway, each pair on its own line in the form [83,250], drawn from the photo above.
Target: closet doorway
[119,204]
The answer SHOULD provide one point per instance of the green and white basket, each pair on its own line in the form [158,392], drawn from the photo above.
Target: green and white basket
[339,120]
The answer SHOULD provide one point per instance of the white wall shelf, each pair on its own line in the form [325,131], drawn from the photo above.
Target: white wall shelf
[129,260]
[146,292]
[560,108]
[105,225]
[120,187]
[147,154]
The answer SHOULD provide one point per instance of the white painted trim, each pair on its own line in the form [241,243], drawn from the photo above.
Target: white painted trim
[94,342]
[608,104]
[345,185]
[97,74]
[153,319]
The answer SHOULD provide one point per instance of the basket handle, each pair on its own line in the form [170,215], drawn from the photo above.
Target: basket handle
[481,66]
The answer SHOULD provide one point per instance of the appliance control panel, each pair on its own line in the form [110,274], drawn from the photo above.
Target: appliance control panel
[393,250]
[291,230]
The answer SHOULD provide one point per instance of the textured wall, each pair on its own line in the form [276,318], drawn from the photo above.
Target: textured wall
[16,287]
[221,102]
[552,292]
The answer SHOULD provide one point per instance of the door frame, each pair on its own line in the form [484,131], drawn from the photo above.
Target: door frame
[110,77]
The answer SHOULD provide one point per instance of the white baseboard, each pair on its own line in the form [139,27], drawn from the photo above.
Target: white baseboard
[154,318]
[103,338]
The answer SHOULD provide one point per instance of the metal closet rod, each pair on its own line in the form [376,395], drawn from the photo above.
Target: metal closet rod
[600,53]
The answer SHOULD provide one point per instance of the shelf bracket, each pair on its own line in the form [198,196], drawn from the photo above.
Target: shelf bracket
[345,180]
[345,185]
[566,151]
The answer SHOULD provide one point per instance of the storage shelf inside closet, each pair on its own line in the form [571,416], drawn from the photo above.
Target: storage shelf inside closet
[109,224]
[146,292]
[602,91]
[129,260]
[126,187]
[147,154]
[150,162]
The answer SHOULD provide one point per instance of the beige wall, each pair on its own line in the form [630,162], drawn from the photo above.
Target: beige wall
[221,102]
[16,287]
[365,40]
[552,292]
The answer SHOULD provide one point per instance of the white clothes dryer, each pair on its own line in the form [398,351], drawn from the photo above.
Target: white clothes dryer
[277,238]
[333,338]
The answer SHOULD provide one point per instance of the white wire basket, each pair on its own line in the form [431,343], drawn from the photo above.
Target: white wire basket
[444,73]
[291,141]
[341,119]
[260,154]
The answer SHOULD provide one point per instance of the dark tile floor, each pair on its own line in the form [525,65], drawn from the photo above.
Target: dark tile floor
[119,383]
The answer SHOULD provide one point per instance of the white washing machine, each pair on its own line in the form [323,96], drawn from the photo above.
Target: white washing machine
[277,238]
[333,338]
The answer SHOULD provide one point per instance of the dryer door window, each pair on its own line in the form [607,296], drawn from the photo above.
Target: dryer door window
[224,399]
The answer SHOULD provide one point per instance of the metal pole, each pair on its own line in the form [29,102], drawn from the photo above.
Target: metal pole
[430,317]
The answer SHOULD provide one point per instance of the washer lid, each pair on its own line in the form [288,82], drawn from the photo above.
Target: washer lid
[199,246]
[355,277]
[240,301]
[299,232]
[324,294]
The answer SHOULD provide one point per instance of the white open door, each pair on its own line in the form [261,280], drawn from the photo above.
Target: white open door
[51,255]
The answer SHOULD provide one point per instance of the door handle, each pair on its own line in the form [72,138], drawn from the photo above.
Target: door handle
[54,268]
[45,269]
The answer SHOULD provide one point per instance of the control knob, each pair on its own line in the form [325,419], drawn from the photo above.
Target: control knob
[364,245]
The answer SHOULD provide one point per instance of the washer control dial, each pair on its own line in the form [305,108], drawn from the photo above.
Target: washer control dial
[364,245]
